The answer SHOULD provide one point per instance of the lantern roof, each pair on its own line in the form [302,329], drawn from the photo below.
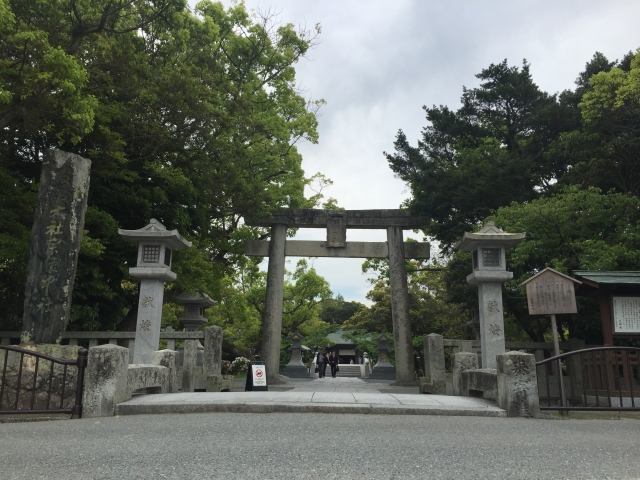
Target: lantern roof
[489,234]
[202,299]
[155,231]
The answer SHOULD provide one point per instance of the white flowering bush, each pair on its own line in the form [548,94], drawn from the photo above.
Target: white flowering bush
[240,365]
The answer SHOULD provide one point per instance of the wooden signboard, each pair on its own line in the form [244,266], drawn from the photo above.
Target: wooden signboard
[626,315]
[551,292]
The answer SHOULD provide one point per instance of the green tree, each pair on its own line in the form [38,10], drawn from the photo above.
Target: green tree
[572,230]
[428,308]
[486,154]
[606,150]
[240,310]
[189,118]
[337,310]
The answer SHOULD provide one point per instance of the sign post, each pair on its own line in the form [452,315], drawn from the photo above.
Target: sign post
[550,292]
[256,378]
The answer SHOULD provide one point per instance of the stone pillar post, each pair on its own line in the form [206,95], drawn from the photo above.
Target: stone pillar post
[55,243]
[434,366]
[405,369]
[518,384]
[149,320]
[212,351]
[105,380]
[461,362]
[189,365]
[491,322]
[167,358]
[272,317]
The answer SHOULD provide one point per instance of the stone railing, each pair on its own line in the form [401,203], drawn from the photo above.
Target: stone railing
[123,339]
[540,350]
[461,376]
[195,367]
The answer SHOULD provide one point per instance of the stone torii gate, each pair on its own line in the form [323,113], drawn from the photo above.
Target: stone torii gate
[336,222]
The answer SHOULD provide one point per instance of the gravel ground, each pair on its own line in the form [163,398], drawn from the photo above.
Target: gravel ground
[301,446]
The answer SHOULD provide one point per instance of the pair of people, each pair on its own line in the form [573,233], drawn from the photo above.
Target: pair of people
[325,358]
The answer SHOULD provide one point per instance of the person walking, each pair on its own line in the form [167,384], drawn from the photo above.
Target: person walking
[321,362]
[333,361]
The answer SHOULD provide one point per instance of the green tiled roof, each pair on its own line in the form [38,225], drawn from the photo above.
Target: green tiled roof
[610,277]
[337,337]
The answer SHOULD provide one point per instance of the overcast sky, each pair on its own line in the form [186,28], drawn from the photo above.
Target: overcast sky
[379,62]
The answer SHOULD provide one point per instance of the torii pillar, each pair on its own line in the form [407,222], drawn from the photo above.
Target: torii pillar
[337,222]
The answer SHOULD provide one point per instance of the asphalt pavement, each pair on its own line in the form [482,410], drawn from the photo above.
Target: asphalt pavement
[316,445]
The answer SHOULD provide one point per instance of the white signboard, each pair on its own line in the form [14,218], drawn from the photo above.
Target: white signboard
[259,375]
[626,314]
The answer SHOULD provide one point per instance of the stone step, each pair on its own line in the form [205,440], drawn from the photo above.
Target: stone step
[346,371]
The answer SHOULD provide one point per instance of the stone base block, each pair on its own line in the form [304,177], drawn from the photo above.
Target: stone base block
[482,383]
[295,372]
[220,383]
[383,373]
[147,379]
[461,362]
[436,387]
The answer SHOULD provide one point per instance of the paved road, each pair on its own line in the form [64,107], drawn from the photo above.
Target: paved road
[302,446]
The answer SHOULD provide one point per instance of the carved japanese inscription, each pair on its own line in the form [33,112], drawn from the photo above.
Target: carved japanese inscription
[55,243]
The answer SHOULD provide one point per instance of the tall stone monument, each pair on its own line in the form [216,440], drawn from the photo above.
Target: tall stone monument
[155,244]
[55,244]
[489,273]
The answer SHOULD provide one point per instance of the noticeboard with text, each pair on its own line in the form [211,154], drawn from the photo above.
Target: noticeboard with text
[626,315]
[551,293]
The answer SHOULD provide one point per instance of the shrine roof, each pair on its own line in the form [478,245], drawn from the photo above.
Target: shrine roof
[338,339]
[609,276]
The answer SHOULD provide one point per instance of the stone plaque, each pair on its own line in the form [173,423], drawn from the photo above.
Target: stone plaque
[550,292]
[337,229]
[626,314]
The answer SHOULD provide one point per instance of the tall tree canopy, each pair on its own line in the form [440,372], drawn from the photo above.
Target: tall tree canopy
[510,141]
[191,118]
[561,168]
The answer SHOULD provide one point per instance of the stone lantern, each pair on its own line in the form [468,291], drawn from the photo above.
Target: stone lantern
[488,248]
[155,244]
[296,368]
[193,317]
[383,368]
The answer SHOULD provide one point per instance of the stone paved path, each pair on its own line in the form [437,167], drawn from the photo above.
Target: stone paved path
[328,395]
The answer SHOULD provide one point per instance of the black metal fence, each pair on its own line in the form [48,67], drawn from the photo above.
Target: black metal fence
[19,375]
[603,378]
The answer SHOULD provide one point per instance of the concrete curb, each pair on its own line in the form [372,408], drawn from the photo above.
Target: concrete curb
[335,408]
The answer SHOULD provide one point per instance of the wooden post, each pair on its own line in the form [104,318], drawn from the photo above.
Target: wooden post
[556,347]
